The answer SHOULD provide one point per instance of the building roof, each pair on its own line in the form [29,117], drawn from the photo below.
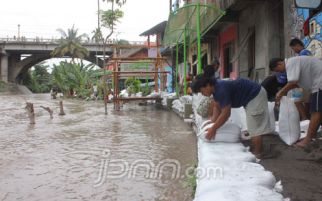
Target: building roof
[159,28]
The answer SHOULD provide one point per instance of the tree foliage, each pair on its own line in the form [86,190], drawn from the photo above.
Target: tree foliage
[111,17]
[70,44]
[38,79]
[133,85]
[74,78]
[97,35]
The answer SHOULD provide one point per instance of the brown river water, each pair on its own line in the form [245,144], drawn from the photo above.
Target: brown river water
[138,154]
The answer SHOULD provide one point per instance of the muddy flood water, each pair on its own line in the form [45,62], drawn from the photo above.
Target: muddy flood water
[140,153]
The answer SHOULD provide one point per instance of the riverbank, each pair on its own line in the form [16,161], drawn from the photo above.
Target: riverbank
[8,88]
[13,89]
[298,170]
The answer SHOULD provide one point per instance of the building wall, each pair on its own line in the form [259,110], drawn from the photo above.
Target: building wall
[262,19]
[226,36]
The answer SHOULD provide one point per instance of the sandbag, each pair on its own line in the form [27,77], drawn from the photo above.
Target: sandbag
[220,177]
[238,116]
[204,106]
[186,99]
[304,128]
[229,132]
[240,193]
[205,157]
[271,106]
[289,121]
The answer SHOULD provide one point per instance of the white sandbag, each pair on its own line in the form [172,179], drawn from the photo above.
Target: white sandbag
[304,128]
[177,105]
[216,178]
[204,107]
[196,98]
[229,132]
[186,99]
[240,193]
[211,153]
[271,106]
[238,116]
[289,121]
[221,147]
[204,124]
[124,93]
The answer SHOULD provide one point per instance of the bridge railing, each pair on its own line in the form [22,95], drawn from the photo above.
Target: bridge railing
[40,40]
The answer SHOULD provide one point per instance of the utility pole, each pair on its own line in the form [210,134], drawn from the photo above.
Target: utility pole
[98,14]
[18,31]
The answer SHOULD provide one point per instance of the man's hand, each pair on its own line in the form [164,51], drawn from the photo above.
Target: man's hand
[211,133]
[279,96]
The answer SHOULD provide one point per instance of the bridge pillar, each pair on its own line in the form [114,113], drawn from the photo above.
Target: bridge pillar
[4,66]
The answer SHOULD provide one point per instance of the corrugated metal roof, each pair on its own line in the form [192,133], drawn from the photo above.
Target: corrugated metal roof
[159,28]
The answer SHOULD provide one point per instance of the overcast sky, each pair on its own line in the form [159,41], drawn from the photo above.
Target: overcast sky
[42,17]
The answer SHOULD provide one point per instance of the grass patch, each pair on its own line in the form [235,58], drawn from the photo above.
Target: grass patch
[3,86]
[191,181]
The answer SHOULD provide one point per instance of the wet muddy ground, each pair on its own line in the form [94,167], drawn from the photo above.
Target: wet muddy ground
[300,170]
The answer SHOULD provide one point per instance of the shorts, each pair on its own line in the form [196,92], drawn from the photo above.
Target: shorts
[257,115]
[316,101]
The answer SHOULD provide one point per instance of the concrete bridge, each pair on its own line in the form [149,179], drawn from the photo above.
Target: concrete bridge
[36,50]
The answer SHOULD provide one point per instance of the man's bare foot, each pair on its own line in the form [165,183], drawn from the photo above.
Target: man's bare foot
[303,143]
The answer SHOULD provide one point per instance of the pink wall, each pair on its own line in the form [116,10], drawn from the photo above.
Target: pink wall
[229,35]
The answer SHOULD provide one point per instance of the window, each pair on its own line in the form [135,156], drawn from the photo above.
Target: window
[251,55]
[228,55]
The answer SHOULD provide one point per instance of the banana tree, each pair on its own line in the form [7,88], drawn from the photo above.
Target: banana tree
[75,77]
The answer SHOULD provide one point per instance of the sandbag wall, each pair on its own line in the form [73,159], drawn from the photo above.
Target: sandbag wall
[229,171]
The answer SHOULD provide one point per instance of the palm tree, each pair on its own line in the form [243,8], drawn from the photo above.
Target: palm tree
[70,44]
[97,35]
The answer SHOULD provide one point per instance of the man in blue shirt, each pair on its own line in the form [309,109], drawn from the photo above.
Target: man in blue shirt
[229,94]
[298,47]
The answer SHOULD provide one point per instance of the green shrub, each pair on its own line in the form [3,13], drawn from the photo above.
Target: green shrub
[3,86]
[133,85]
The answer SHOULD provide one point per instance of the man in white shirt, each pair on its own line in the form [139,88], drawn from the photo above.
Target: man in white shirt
[304,72]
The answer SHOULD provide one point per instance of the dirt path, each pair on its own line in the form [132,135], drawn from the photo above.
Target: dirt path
[300,170]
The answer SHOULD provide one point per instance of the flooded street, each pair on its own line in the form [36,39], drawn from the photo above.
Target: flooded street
[139,153]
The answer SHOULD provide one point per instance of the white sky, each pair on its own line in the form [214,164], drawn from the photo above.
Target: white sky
[42,17]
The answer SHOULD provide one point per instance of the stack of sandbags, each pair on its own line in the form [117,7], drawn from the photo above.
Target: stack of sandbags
[124,94]
[177,106]
[165,96]
[186,99]
[227,171]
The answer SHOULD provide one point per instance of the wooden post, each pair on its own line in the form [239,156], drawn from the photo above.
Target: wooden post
[105,100]
[61,106]
[31,113]
[48,110]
